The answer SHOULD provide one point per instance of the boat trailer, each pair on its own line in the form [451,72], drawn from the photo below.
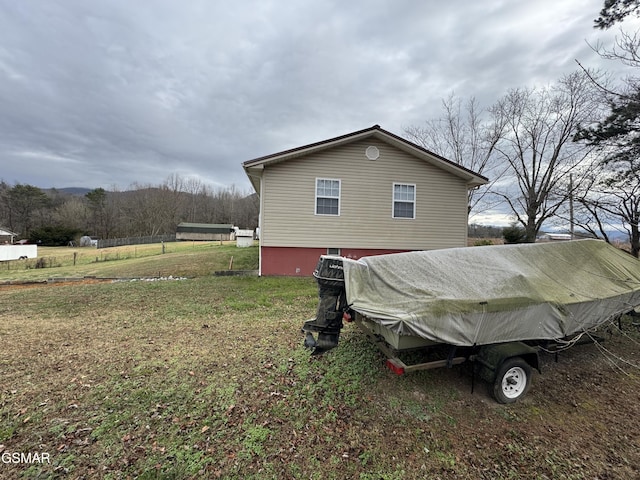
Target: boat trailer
[506,366]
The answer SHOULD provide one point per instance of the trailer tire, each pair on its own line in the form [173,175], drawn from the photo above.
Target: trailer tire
[512,381]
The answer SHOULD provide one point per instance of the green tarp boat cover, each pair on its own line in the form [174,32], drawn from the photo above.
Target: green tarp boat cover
[492,294]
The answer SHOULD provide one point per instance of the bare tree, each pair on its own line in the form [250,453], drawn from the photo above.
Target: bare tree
[625,49]
[197,200]
[73,213]
[225,204]
[462,136]
[155,210]
[247,209]
[608,200]
[537,146]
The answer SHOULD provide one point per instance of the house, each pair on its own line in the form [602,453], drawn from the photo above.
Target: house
[368,192]
[204,231]
[7,236]
[554,237]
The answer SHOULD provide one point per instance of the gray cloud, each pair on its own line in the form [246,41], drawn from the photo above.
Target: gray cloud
[108,93]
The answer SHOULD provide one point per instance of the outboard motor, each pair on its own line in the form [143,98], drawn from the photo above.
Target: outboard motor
[329,274]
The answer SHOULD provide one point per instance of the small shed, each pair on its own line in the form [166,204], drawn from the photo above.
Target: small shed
[87,241]
[244,238]
[204,231]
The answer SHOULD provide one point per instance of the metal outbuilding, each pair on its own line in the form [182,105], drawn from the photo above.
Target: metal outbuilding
[204,231]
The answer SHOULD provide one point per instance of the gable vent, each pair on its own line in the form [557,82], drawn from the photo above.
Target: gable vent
[372,153]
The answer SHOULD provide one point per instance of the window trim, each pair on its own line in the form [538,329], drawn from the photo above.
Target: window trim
[393,200]
[315,203]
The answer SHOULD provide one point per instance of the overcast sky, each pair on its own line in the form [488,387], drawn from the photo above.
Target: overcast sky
[107,93]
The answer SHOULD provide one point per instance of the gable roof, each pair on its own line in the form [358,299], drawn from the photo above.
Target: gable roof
[187,227]
[253,167]
[7,233]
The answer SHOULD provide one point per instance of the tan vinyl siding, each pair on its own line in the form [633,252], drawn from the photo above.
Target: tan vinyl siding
[366,201]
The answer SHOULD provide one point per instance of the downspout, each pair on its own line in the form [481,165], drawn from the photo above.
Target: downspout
[260,227]
[259,217]
[466,230]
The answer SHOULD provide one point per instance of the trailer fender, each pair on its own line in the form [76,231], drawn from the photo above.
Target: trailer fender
[491,357]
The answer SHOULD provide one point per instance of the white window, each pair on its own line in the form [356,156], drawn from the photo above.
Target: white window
[404,200]
[327,196]
[333,251]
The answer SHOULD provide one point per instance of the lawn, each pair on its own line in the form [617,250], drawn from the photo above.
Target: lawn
[205,377]
[190,259]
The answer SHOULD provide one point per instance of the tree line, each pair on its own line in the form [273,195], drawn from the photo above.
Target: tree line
[564,154]
[56,217]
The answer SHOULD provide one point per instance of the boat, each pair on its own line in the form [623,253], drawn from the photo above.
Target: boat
[494,294]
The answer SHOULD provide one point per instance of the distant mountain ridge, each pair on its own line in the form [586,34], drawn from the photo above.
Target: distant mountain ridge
[80,191]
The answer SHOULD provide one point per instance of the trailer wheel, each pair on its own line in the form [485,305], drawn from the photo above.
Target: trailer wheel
[512,380]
